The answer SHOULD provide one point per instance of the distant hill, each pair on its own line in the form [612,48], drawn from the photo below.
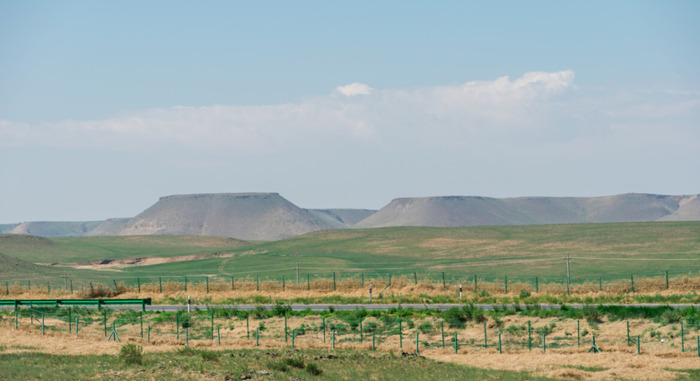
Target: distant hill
[107,227]
[456,211]
[6,228]
[56,228]
[342,217]
[689,210]
[248,216]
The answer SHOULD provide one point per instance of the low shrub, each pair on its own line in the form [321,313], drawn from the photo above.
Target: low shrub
[131,354]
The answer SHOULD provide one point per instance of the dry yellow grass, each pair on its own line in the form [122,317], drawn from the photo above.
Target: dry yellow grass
[400,286]
[617,361]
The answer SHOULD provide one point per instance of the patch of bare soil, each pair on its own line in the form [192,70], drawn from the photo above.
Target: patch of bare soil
[103,264]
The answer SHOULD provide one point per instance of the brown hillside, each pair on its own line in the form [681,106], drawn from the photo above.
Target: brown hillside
[472,211]
[248,216]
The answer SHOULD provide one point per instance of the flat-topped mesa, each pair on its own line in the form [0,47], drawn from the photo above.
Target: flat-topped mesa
[248,216]
[453,211]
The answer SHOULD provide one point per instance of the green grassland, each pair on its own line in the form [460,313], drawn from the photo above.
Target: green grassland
[189,364]
[610,251]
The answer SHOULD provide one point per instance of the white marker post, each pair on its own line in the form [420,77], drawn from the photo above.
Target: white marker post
[370,293]
[460,291]
[189,302]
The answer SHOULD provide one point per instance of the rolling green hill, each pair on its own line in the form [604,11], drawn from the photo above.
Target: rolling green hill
[597,250]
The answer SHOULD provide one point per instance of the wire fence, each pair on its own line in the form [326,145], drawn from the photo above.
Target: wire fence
[365,330]
[376,283]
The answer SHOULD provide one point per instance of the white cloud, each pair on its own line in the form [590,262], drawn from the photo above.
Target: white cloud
[530,112]
[354,89]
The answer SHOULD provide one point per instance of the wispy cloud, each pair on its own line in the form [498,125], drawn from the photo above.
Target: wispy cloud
[539,108]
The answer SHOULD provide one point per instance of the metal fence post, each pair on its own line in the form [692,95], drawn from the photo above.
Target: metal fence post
[529,336]
[485,342]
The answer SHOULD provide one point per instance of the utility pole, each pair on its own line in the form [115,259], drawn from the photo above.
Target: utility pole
[568,273]
[297,273]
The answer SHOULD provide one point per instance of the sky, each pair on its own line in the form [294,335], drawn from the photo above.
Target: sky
[107,106]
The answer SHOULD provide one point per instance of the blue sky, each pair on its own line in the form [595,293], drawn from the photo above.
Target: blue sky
[106,106]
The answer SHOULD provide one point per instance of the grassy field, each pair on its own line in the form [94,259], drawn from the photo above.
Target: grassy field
[194,364]
[609,251]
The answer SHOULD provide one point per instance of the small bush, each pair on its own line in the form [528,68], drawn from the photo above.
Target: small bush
[426,327]
[131,353]
[295,363]
[313,369]
[525,294]
[209,355]
[277,365]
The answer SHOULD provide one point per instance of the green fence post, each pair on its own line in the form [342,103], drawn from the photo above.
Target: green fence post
[334,281]
[537,284]
[333,339]
[212,325]
[578,333]
[247,326]
[638,344]
[257,335]
[177,325]
[71,286]
[389,279]
[361,333]
[417,351]
[415,278]
[232,285]
[77,325]
[443,281]
[207,278]
[506,281]
[257,283]
[92,290]
[116,288]
[29,285]
[187,335]
[16,316]
[485,343]
[185,283]
[475,285]
[308,283]
[682,338]
[104,320]
[141,319]
[667,280]
[529,336]
[499,343]
[48,286]
[42,324]
[70,321]
[600,283]
[456,344]
[148,334]
[160,285]
[372,340]
[283,286]
[7,288]
[138,283]
[400,335]
[697,344]
[323,323]
[218,335]
[285,329]
[632,282]
[442,333]
[292,339]
[628,333]
[544,343]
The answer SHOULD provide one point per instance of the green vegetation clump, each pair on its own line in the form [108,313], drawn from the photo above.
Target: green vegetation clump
[132,354]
